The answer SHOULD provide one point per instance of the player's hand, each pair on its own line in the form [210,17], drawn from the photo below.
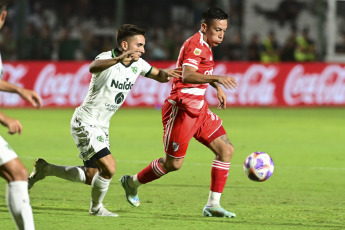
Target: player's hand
[227,82]
[129,54]
[173,73]
[222,98]
[32,97]
[13,125]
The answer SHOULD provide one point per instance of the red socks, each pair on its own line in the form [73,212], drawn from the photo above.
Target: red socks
[151,172]
[219,174]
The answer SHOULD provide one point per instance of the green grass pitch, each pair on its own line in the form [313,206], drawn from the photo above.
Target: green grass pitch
[306,191]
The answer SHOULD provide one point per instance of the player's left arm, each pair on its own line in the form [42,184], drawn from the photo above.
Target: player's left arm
[28,95]
[220,95]
[164,75]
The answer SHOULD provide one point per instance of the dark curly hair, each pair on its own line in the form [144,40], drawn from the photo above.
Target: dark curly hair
[213,14]
[127,30]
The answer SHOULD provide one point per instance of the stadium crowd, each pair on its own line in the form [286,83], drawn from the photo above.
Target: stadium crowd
[78,30]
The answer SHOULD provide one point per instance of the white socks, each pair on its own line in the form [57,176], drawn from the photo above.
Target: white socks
[213,199]
[71,173]
[18,203]
[100,187]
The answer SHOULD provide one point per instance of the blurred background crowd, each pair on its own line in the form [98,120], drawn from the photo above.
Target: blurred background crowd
[267,31]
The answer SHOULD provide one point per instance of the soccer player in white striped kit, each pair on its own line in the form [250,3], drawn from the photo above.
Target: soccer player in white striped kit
[11,168]
[185,114]
[113,75]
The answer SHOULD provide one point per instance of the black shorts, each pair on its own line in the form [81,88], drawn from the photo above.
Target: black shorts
[91,163]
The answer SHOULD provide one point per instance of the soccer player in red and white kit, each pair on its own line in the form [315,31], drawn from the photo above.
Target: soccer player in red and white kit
[185,114]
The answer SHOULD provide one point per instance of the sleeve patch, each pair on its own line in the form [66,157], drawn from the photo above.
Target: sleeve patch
[197,51]
[192,61]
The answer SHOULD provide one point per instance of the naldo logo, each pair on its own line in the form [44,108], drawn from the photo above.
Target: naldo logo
[119,98]
[121,85]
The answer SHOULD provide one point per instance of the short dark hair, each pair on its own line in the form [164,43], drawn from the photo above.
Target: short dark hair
[212,14]
[3,5]
[125,31]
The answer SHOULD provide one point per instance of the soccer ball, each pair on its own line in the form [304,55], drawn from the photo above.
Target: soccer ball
[258,166]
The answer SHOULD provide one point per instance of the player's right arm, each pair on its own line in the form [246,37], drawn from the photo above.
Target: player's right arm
[13,125]
[100,65]
[189,75]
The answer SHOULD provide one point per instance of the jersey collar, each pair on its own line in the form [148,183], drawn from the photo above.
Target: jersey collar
[202,40]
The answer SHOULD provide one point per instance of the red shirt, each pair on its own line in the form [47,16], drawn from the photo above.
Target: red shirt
[197,53]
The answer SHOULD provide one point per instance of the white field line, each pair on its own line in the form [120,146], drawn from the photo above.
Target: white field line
[196,163]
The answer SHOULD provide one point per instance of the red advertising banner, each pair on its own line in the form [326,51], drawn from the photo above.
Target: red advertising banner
[65,84]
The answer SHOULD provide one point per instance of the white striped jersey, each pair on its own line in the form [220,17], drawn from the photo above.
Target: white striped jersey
[108,90]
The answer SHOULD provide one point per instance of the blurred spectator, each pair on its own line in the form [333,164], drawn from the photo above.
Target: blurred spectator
[269,49]
[68,46]
[340,47]
[253,48]
[234,50]
[28,48]
[70,30]
[158,52]
[7,44]
[305,47]
[288,49]
[45,48]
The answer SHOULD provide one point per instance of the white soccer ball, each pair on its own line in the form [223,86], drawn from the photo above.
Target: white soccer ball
[258,166]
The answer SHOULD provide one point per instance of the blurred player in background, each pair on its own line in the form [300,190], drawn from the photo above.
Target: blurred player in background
[113,75]
[185,114]
[11,168]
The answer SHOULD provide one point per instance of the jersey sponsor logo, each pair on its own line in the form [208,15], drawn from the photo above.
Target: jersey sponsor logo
[100,139]
[175,146]
[197,51]
[134,69]
[119,98]
[208,72]
[110,107]
[195,62]
[121,85]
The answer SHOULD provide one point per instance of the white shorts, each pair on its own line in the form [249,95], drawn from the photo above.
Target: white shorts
[6,152]
[89,139]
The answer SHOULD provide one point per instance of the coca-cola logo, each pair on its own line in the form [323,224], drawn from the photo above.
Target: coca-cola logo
[325,88]
[62,88]
[255,86]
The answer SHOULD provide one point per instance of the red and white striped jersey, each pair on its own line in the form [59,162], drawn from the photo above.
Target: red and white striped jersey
[196,53]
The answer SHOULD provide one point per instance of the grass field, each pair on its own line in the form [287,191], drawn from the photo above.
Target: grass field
[306,191]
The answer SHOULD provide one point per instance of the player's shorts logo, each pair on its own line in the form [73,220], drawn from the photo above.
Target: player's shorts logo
[175,146]
[119,98]
[100,139]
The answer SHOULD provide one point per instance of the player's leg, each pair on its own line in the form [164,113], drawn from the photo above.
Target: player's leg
[101,180]
[17,196]
[213,135]
[177,133]
[223,150]
[71,173]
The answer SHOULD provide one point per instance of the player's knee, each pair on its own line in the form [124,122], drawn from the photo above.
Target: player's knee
[173,166]
[20,174]
[226,153]
[108,172]
[90,173]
